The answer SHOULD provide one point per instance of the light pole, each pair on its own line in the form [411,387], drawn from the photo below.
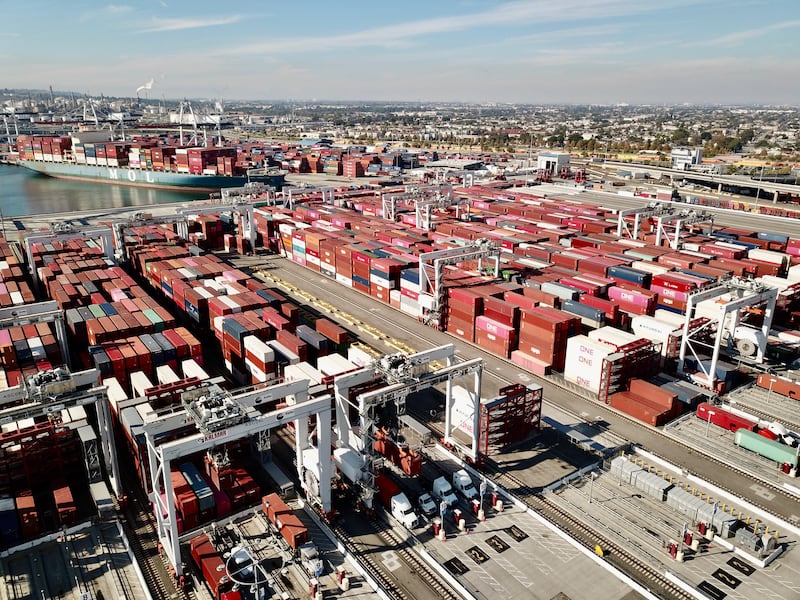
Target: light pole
[592,476]
[769,393]
[711,413]
[758,191]
[482,491]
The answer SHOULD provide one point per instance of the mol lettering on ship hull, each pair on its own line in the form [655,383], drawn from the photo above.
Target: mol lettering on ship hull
[131,175]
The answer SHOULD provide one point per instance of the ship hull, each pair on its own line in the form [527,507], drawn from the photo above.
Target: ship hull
[144,178]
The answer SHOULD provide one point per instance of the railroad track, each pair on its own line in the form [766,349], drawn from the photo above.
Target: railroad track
[116,561]
[362,552]
[359,552]
[422,570]
[141,532]
[615,554]
[756,412]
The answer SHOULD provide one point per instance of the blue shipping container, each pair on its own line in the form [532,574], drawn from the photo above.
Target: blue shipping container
[205,497]
[9,526]
[640,278]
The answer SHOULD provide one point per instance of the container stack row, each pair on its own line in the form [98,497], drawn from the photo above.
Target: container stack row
[257,328]
[14,288]
[26,350]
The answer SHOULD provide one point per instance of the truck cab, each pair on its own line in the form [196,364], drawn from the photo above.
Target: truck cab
[310,559]
[403,511]
[427,505]
[462,482]
[443,491]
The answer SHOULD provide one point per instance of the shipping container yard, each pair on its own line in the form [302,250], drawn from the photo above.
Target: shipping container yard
[435,392]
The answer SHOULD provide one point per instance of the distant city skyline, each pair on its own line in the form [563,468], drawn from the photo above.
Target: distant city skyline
[530,51]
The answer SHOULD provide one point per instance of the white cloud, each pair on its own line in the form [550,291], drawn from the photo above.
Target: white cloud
[117,9]
[188,23]
[739,36]
[511,13]
[106,11]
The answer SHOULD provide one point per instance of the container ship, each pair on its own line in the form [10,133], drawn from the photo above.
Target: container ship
[89,156]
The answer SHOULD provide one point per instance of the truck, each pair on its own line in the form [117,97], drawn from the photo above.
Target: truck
[310,559]
[403,511]
[395,501]
[443,491]
[427,505]
[462,482]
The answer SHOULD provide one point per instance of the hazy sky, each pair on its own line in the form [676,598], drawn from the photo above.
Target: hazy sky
[576,51]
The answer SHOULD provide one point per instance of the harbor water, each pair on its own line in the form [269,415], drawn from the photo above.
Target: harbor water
[23,192]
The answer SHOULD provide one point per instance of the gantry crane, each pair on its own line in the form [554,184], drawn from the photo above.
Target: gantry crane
[289,194]
[725,327]
[678,221]
[220,418]
[440,194]
[52,391]
[654,209]
[431,268]
[403,375]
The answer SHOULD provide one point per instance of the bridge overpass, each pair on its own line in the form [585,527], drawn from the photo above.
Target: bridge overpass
[785,192]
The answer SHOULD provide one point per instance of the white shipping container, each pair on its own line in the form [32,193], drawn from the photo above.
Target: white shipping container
[775,282]
[349,463]
[284,351]
[463,409]
[358,356]
[410,306]
[612,336]
[344,280]
[259,349]
[114,392]
[230,303]
[650,267]
[139,383]
[769,256]
[584,361]
[165,375]
[301,371]
[192,369]
[334,364]
[652,328]
[793,274]
[77,413]
[667,316]
[410,285]
[256,371]
[387,283]
[712,307]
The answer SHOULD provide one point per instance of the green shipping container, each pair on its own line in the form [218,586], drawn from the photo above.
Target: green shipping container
[780,453]
[152,316]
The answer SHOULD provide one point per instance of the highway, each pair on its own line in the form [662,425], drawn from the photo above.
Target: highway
[498,372]
[729,180]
